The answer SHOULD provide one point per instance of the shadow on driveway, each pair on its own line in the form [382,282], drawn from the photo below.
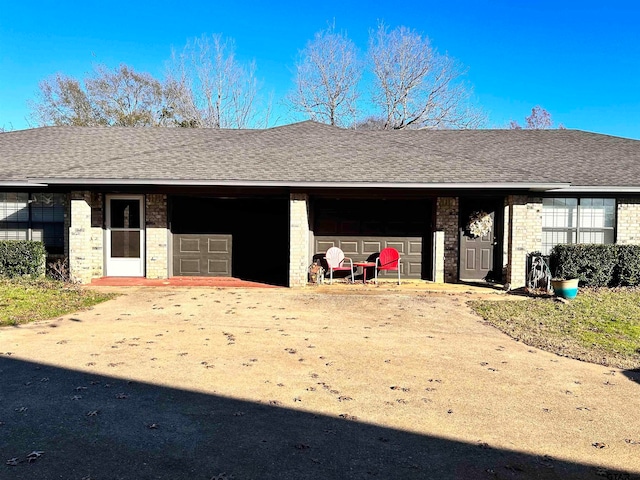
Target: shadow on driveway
[96,427]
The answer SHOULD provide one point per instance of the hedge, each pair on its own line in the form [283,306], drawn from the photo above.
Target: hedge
[597,265]
[19,258]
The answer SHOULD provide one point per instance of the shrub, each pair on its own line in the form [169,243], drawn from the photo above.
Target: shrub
[19,258]
[628,271]
[597,265]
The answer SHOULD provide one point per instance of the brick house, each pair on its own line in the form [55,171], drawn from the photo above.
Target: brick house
[259,204]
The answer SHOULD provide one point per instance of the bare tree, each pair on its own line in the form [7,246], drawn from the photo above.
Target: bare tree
[207,86]
[122,97]
[63,101]
[326,79]
[415,87]
[125,97]
[540,119]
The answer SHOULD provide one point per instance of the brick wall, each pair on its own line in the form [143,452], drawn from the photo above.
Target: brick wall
[525,235]
[298,239]
[84,218]
[628,221]
[156,235]
[447,210]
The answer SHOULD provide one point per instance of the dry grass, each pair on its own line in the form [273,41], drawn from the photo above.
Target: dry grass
[23,301]
[599,326]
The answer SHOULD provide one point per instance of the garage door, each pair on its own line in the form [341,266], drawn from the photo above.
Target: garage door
[361,228]
[202,255]
[360,249]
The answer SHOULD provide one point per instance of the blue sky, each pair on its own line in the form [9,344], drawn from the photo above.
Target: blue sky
[579,60]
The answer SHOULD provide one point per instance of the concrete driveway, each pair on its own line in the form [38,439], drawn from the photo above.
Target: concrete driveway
[347,382]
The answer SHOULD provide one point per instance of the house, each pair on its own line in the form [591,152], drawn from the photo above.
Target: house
[259,204]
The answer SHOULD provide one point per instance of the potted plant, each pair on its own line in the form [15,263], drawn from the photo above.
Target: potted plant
[565,280]
[565,287]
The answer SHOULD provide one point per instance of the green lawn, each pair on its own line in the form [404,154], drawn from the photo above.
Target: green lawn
[23,301]
[599,326]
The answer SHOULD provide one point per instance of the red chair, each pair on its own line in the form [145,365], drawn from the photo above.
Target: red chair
[389,259]
[335,261]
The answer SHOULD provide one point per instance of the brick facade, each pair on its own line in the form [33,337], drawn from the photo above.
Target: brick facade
[85,217]
[524,225]
[299,257]
[156,235]
[447,210]
[628,221]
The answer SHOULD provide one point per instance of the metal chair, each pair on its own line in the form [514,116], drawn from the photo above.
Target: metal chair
[335,261]
[389,259]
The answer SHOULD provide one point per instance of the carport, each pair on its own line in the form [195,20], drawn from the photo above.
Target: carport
[245,238]
[363,227]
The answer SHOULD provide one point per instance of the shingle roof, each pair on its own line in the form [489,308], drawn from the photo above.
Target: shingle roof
[309,152]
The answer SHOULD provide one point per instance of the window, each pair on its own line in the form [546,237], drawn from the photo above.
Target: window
[577,220]
[37,216]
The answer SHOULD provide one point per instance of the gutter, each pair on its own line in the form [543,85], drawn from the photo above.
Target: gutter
[322,184]
[594,189]
[24,183]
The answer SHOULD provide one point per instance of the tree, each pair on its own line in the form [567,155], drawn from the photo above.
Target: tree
[326,79]
[540,119]
[122,97]
[415,87]
[207,87]
[63,101]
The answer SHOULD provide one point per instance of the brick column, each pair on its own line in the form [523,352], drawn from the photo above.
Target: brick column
[628,221]
[447,210]
[85,236]
[156,236]
[298,239]
[525,236]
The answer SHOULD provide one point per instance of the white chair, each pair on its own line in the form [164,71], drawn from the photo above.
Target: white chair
[335,261]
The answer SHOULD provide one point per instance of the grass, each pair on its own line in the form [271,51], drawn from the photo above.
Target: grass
[24,301]
[599,326]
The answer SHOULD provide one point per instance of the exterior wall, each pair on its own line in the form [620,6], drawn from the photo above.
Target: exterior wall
[447,210]
[298,239]
[85,236]
[525,235]
[156,235]
[628,221]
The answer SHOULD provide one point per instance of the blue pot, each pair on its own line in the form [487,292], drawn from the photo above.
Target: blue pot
[565,288]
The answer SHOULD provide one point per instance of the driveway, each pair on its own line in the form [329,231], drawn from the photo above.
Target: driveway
[319,383]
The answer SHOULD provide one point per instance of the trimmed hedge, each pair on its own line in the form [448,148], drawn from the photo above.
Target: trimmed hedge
[597,265]
[19,258]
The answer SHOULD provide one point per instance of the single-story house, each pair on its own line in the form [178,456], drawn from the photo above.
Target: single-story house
[260,204]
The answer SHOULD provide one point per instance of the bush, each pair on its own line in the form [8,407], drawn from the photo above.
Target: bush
[20,258]
[628,271]
[597,265]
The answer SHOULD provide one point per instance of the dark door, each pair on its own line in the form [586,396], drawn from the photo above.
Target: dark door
[477,262]
[202,255]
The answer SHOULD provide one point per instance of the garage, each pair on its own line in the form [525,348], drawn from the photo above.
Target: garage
[246,238]
[361,228]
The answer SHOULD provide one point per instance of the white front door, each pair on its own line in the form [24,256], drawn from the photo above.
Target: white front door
[125,236]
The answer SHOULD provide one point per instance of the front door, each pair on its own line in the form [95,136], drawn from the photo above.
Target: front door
[125,236]
[479,244]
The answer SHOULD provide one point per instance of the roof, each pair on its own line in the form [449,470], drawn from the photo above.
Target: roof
[314,154]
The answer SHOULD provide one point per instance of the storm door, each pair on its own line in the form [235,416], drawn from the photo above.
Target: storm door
[125,236]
